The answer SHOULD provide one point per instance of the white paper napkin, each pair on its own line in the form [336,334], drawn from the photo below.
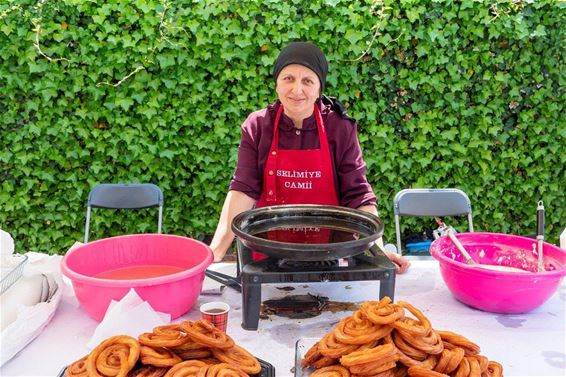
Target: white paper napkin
[30,318]
[129,316]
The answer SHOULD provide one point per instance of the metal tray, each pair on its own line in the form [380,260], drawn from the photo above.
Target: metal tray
[267,370]
[12,267]
[301,347]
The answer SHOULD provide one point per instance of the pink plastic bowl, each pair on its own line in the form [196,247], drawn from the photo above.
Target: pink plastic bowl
[174,294]
[498,291]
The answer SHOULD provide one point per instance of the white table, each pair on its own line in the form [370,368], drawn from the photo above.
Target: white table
[532,344]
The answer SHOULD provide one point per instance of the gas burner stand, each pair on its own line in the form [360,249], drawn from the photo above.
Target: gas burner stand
[270,271]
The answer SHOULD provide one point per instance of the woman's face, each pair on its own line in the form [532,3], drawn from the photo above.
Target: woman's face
[298,88]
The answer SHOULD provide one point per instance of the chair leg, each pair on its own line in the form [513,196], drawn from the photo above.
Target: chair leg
[159,219]
[87,224]
[398,235]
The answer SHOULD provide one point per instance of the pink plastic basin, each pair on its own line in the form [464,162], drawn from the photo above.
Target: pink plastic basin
[498,291]
[174,293]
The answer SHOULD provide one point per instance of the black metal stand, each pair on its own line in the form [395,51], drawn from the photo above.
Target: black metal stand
[254,274]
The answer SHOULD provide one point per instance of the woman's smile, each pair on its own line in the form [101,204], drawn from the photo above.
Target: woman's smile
[298,100]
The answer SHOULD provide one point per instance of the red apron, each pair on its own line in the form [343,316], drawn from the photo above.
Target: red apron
[298,176]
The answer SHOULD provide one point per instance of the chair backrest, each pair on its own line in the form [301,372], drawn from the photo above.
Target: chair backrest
[124,196]
[430,202]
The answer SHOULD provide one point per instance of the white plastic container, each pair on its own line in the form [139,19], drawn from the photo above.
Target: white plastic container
[6,242]
[563,239]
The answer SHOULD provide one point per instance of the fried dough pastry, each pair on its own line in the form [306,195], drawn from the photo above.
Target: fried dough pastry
[329,346]
[159,357]
[413,347]
[387,373]
[324,362]
[191,350]
[452,340]
[77,369]
[464,368]
[331,371]
[449,360]
[400,371]
[210,360]
[239,357]
[205,333]
[382,312]
[409,326]
[115,356]
[358,330]
[201,353]
[423,372]
[482,360]
[164,336]
[148,371]
[431,343]
[188,368]
[368,355]
[428,363]
[210,353]
[311,355]
[221,370]
[371,361]
[407,348]
[494,369]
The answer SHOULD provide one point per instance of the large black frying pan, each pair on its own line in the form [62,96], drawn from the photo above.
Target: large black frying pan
[367,226]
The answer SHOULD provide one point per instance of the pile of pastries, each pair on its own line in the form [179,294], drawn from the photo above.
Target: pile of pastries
[381,339]
[190,348]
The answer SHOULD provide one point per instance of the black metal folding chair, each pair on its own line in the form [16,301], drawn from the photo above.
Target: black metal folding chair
[124,196]
[430,202]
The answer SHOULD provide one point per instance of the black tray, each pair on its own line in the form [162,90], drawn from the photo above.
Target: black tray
[267,370]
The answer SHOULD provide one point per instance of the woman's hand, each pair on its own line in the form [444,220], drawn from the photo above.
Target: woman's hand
[401,263]
[218,255]
[236,202]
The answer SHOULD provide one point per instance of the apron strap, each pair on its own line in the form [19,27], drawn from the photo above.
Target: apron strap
[271,163]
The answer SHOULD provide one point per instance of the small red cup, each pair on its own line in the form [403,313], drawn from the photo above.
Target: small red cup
[216,312]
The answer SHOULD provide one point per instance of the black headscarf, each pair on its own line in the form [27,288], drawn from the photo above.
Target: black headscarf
[303,53]
[337,106]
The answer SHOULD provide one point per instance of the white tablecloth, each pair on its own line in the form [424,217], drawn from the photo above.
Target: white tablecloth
[532,344]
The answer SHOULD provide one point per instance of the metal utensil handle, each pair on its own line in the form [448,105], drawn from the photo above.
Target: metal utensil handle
[227,280]
[459,246]
[540,234]
[375,249]
[540,219]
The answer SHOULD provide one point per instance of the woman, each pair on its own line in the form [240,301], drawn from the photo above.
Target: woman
[300,150]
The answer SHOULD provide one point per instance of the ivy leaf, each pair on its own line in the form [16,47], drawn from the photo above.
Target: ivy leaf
[434,34]
[148,112]
[6,29]
[242,42]
[166,60]
[353,36]
[412,14]
[540,31]
[124,103]
[167,154]
[99,18]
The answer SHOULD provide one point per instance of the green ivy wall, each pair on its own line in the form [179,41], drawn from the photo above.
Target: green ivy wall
[447,94]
